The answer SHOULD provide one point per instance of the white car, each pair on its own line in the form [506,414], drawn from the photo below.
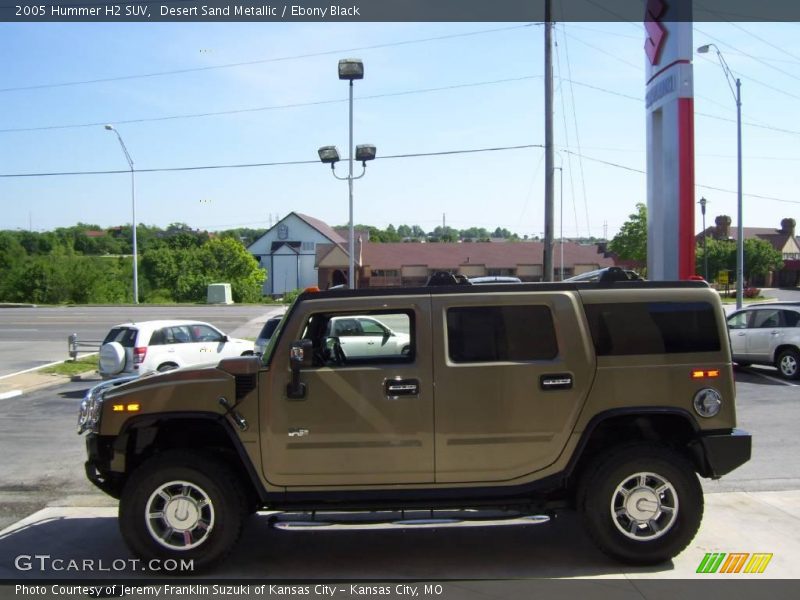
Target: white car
[364,337]
[767,334]
[147,346]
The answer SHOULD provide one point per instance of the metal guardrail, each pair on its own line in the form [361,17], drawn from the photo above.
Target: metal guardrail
[74,346]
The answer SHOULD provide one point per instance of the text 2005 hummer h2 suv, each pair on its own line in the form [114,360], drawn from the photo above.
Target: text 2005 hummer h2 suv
[607,398]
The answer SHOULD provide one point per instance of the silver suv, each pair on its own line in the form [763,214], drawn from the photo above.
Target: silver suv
[767,334]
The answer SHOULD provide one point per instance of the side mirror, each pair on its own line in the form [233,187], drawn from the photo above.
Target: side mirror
[301,355]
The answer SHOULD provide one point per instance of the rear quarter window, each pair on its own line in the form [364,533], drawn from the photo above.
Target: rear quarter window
[653,328]
[123,335]
[500,334]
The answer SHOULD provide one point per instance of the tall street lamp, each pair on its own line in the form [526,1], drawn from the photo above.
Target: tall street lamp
[561,220]
[350,69]
[737,95]
[133,206]
[702,204]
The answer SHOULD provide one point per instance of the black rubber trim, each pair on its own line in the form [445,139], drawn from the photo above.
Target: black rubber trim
[147,420]
[624,412]
[537,492]
[726,451]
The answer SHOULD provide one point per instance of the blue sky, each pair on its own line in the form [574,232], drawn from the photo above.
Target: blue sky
[600,115]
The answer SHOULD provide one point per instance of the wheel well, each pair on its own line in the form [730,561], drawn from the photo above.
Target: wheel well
[167,363]
[783,347]
[673,431]
[201,435]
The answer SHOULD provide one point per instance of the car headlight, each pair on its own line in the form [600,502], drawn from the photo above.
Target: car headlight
[707,402]
[92,404]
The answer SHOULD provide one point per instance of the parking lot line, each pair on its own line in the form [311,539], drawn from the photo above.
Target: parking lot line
[771,377]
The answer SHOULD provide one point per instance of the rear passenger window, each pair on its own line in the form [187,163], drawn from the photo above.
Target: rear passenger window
[500,333]
[652,328]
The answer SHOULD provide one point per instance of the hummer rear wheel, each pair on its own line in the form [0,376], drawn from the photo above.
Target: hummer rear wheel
[641,503]
[182,505]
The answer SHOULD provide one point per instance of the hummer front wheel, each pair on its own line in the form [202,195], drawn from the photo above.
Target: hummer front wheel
[181,505]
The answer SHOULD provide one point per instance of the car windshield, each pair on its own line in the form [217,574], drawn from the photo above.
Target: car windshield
[269,328]
[276,331]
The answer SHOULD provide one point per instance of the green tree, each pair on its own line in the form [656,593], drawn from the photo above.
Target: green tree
[631,241]
[721,257]
[760,258]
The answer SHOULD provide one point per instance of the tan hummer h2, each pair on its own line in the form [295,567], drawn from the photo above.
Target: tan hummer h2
[513,399]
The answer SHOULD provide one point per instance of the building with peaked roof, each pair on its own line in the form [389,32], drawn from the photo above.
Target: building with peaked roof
[288,252]
[784,240]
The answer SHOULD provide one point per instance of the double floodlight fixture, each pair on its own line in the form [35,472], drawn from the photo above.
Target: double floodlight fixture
[329,155]
[351,68]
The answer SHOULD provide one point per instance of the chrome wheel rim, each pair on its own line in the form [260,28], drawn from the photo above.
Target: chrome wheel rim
[644,506]
[179,515]
[788,365]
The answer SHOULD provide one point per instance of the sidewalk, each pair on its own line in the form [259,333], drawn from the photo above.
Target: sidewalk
[765,523]
[17,385]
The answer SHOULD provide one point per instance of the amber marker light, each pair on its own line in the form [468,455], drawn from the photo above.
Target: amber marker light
[133,407]
[118,407]
[704,374]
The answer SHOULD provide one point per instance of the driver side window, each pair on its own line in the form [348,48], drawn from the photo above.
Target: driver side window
[342,340]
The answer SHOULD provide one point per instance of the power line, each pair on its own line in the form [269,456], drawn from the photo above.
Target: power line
[393,156]
[260,61]
[268,108]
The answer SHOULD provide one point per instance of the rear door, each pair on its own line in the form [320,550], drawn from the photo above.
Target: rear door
[763,334]
[508,387]
[366,420]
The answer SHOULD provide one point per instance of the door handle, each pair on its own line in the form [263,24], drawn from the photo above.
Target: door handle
[395,388]
[556,381]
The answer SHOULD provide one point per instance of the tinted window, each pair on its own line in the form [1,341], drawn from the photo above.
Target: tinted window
[790,318]
[123,335]
[500,333]
[652,328]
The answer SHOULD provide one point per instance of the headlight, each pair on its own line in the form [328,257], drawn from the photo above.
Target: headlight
[707,402]
[92,404]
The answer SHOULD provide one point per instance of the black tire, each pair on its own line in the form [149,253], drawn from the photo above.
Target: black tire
[667,532]
[743,364]
[788,364]
[166,367]
[189,476]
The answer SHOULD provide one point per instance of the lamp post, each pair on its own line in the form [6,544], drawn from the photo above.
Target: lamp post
[350,69]
[702,204]
[561,220]
[737,95]
[133,206]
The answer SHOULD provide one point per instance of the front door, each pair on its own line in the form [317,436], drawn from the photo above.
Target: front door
[365,418]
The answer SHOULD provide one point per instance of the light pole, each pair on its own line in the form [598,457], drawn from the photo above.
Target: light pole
[737,95]
[133,206]
[350,69]
[702,204]
[561,220]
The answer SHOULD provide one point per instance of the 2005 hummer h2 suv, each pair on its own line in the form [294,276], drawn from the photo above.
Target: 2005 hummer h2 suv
[526,398]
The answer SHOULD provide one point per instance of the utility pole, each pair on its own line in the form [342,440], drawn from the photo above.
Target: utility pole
[549,172]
